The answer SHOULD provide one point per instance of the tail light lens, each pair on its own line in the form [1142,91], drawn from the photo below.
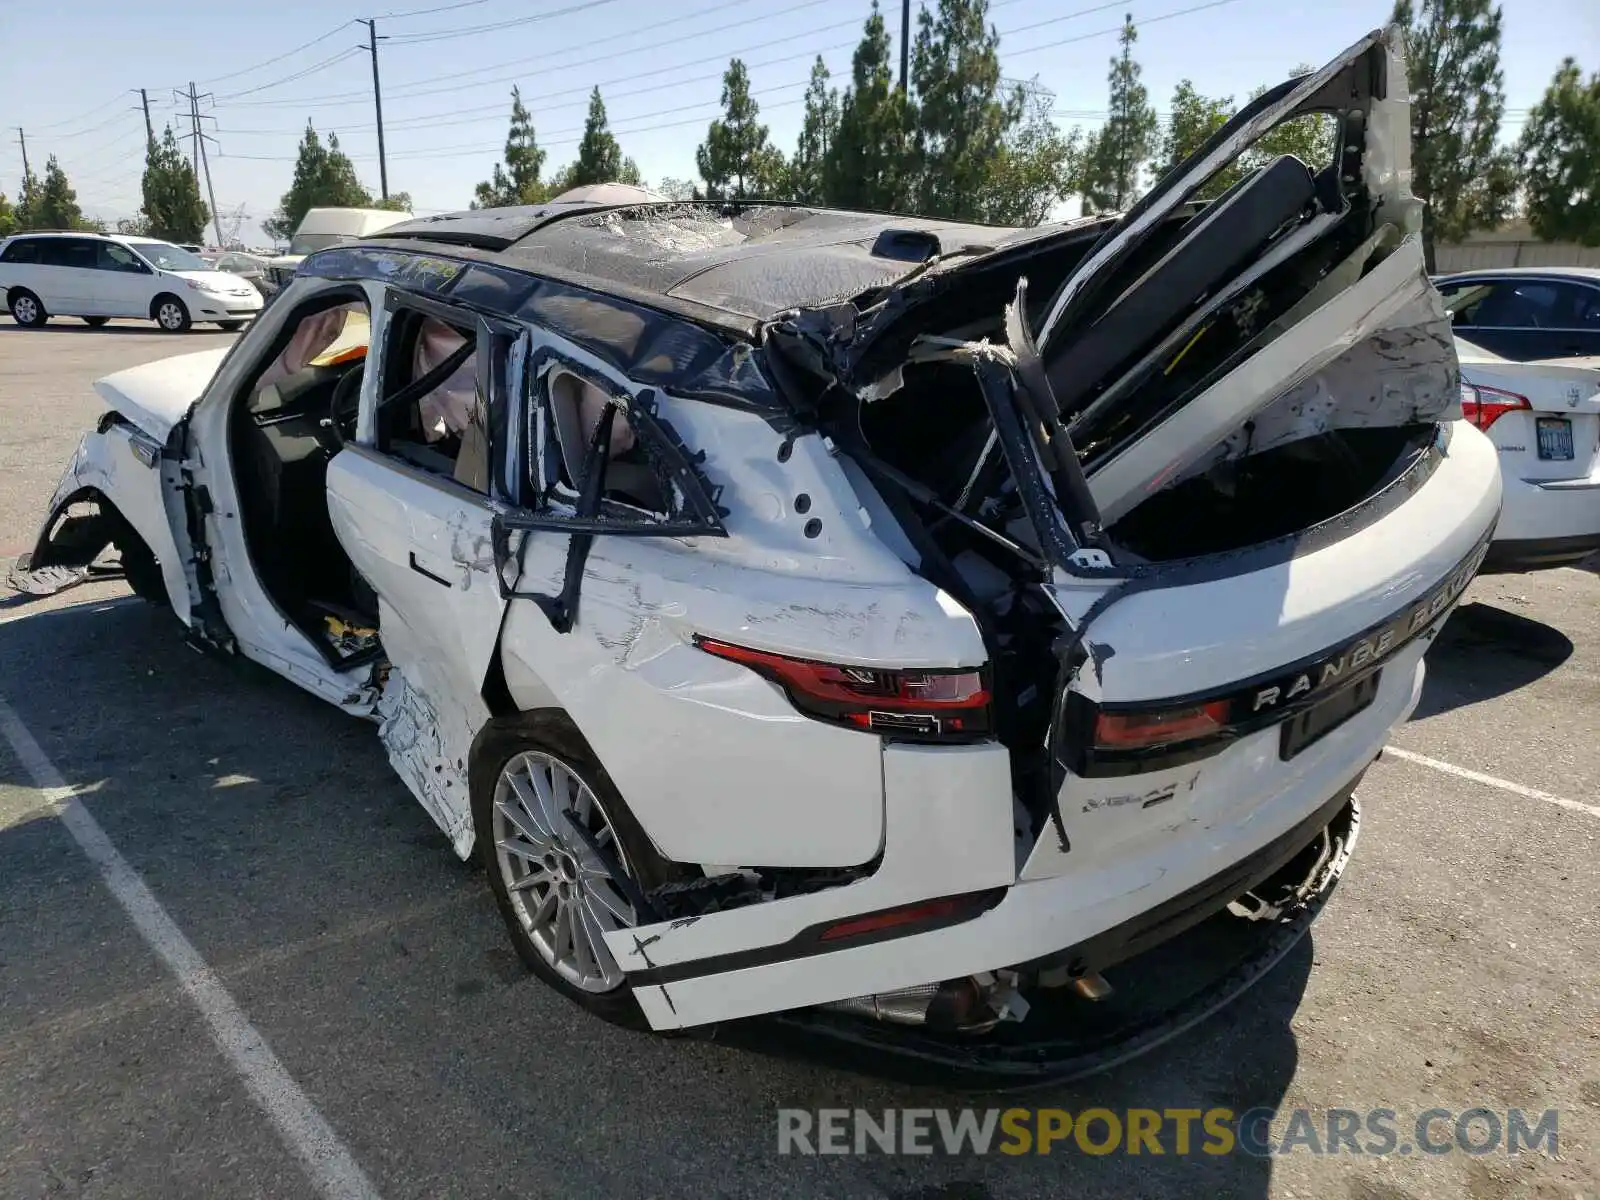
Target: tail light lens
[1158,727]
[912,704]
[1483,406]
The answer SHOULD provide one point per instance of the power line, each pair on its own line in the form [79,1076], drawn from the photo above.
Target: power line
[267,62]
[338,99]
[423,12]
[99,108]
[469,31]
[301,74]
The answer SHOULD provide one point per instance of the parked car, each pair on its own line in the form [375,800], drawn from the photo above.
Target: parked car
[1527,313]
[100,276]
[324,227]
[250,267]
[1544,421]
[911,654]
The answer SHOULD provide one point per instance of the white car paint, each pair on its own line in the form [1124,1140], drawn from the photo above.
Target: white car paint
[720,769]
[1552,506]
[157,395]
[131,291]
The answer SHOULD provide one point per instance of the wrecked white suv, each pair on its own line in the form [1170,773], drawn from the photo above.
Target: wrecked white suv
[882,620]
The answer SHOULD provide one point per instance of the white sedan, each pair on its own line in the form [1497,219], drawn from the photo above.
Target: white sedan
[1544,420]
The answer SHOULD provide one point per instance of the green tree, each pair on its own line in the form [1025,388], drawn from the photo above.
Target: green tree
[1036,167]
[818,130]
[1193,119]
[1457,101]
[396,202]
[1309,138]
[324,177]
[870,164]
[963,117]
[737,160]
[1559,156]
[172,206]
[28,202]
[8,217]
[677,189]
[517,182]
[55,206]
[1117,154]
[599,156]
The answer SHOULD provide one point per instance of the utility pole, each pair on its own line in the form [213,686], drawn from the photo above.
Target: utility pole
[377,100]
[200,140]
[905,43]
[149,129]
[201,162]
[22,138]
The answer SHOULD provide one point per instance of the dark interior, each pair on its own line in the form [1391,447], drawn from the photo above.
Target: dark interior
[1278,492]
[281,441]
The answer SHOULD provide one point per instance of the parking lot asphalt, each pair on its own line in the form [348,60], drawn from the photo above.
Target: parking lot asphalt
[1457,966]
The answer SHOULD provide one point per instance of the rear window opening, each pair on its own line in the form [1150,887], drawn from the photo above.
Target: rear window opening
[1259,498]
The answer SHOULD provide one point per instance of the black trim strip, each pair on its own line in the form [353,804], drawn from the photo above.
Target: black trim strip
[809,941]
[1298,686]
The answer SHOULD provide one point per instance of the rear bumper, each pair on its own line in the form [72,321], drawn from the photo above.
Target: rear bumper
[1546,523]
[1536,554]
[1161,992]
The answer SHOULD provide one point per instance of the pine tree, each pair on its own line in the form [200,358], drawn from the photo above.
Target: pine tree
[1560,159]
[8,217]
[172,206]
[1457,100]
[1116,155]
[870,164]
[518,181]
[55,206]
[324,177]
[737,161]
[599,156]
[818,130]
[962,115]
[1194,118]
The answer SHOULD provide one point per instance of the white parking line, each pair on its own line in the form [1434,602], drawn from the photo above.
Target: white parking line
[1505,785]
[330,1166]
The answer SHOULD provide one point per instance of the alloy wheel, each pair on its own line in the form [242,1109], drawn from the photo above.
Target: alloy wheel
[560,890]
[170,316]
[25,310]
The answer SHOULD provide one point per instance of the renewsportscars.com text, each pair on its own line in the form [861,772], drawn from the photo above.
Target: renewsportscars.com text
[1260,1132]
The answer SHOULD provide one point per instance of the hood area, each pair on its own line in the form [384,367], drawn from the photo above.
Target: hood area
[224,279]
[157,395]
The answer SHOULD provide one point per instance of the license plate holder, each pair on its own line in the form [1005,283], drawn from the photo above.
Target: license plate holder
[1555,439]
[1322,718]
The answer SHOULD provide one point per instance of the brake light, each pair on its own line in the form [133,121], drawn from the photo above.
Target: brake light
[917,704]
[1483,405]
[1159,727]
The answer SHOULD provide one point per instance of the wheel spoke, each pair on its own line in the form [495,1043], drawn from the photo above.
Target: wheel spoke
[535,878]
[523,851]
[561,944]
[594,932]
[526,786]
[524,824]
[602,893]
[543,913]
[582,947]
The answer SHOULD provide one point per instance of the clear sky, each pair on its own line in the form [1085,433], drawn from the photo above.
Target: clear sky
[72,72]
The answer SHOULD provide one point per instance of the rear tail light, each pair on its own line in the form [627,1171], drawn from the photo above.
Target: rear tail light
[1159,727]
[1483,406]
[913,704]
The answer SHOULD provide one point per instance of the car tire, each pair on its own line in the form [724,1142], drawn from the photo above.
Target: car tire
[230,326]
[27,309]
[95,322]
[170,313]
[548,739]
